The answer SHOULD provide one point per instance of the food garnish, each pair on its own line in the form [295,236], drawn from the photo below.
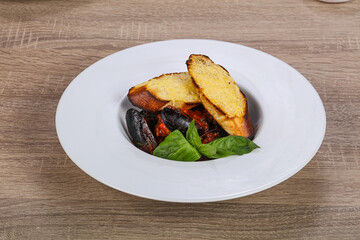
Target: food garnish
[196,115]
[177,147]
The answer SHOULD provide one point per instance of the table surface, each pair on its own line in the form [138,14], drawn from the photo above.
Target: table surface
[45,44]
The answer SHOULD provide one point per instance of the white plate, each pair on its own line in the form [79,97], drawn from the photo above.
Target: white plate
[286,109]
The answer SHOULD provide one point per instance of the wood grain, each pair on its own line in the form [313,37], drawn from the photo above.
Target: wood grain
[45,44]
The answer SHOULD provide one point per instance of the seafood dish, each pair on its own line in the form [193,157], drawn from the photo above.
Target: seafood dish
[188,116]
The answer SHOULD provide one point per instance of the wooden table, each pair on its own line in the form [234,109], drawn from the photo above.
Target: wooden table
[45,44]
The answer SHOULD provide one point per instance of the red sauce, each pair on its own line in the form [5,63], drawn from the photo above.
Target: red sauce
[160,129]
[200,117]
[209,137]
[203,119]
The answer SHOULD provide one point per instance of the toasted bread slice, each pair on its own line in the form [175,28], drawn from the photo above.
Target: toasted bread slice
[217,85]
[221,96]
[240,126]
[174,89]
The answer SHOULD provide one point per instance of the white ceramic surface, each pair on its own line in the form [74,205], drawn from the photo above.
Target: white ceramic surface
[286,109]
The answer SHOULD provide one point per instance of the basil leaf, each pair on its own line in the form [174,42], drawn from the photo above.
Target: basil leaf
[176,147]
[220,153]
[232,145]
[207,150]
[192,135]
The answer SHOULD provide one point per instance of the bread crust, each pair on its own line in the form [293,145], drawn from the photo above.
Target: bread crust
[239,126]
[141,97]
[191,61]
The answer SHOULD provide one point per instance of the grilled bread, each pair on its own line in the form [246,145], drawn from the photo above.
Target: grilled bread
[220,95]
[240,126]
[173,89]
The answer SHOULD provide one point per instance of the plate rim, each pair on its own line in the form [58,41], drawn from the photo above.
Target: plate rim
[275,182]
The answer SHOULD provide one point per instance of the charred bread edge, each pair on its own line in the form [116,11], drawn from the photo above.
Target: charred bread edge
[142,98]
[245,121]
[151,102]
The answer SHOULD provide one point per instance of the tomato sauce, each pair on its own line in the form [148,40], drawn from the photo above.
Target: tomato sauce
[160,129]
[203,119]
[200,117]
[209,137]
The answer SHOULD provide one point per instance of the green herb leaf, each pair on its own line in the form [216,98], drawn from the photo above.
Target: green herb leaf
[232,145]
[207,150]
[192,135]
[194,139]
[176,147]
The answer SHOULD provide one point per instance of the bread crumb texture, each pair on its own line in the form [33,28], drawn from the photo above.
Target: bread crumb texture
[174,87]
[217,85]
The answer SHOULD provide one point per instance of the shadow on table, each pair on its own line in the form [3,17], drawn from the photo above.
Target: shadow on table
[279,211]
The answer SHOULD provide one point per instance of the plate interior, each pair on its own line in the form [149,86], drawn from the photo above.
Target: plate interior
[286,109]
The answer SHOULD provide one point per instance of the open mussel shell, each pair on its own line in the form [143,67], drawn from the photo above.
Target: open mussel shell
[174,120]
[139,131]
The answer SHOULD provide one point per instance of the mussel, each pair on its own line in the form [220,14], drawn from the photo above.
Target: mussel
[139,130]
[173,120]
[150,118]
